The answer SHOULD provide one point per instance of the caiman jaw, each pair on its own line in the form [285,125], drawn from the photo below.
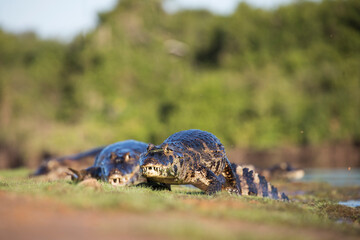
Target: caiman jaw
[153,171]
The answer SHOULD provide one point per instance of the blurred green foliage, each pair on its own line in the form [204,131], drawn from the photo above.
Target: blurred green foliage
[257,78]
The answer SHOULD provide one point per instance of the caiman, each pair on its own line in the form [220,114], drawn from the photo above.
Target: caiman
[117,164]
[198,158]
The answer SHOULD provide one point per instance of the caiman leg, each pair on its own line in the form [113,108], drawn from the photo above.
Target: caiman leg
[232,183]
[80,175]
[207,181]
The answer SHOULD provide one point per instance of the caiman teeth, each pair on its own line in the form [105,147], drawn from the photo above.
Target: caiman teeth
[152,171]
[116,180]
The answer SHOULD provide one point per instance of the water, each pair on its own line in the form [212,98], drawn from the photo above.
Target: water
[351,203]
[335,177]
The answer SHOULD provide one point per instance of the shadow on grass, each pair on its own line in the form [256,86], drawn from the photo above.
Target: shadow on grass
[193,193]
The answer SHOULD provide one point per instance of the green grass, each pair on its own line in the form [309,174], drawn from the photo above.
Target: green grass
[304,211]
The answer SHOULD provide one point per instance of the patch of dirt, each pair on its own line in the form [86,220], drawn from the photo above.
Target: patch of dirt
[25,217]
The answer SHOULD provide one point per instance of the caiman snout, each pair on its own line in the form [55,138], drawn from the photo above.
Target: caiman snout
[116,180]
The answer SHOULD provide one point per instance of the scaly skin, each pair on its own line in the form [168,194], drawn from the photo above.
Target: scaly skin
[190,157]
[254,184]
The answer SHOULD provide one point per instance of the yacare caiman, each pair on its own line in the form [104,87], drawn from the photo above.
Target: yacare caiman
[117,164]
[198,158]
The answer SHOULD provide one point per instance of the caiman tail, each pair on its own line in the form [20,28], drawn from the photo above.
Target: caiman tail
[252,183]
[49,164]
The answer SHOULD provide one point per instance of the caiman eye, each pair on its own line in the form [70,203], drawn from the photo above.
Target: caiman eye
[113,156]
[127,157]
[150,147]
[167,149]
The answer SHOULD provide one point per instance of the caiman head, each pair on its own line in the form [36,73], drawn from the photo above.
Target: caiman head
[117,167]
[160,163]
[120,168]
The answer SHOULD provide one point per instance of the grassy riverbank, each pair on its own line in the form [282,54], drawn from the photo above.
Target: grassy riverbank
[183,213]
